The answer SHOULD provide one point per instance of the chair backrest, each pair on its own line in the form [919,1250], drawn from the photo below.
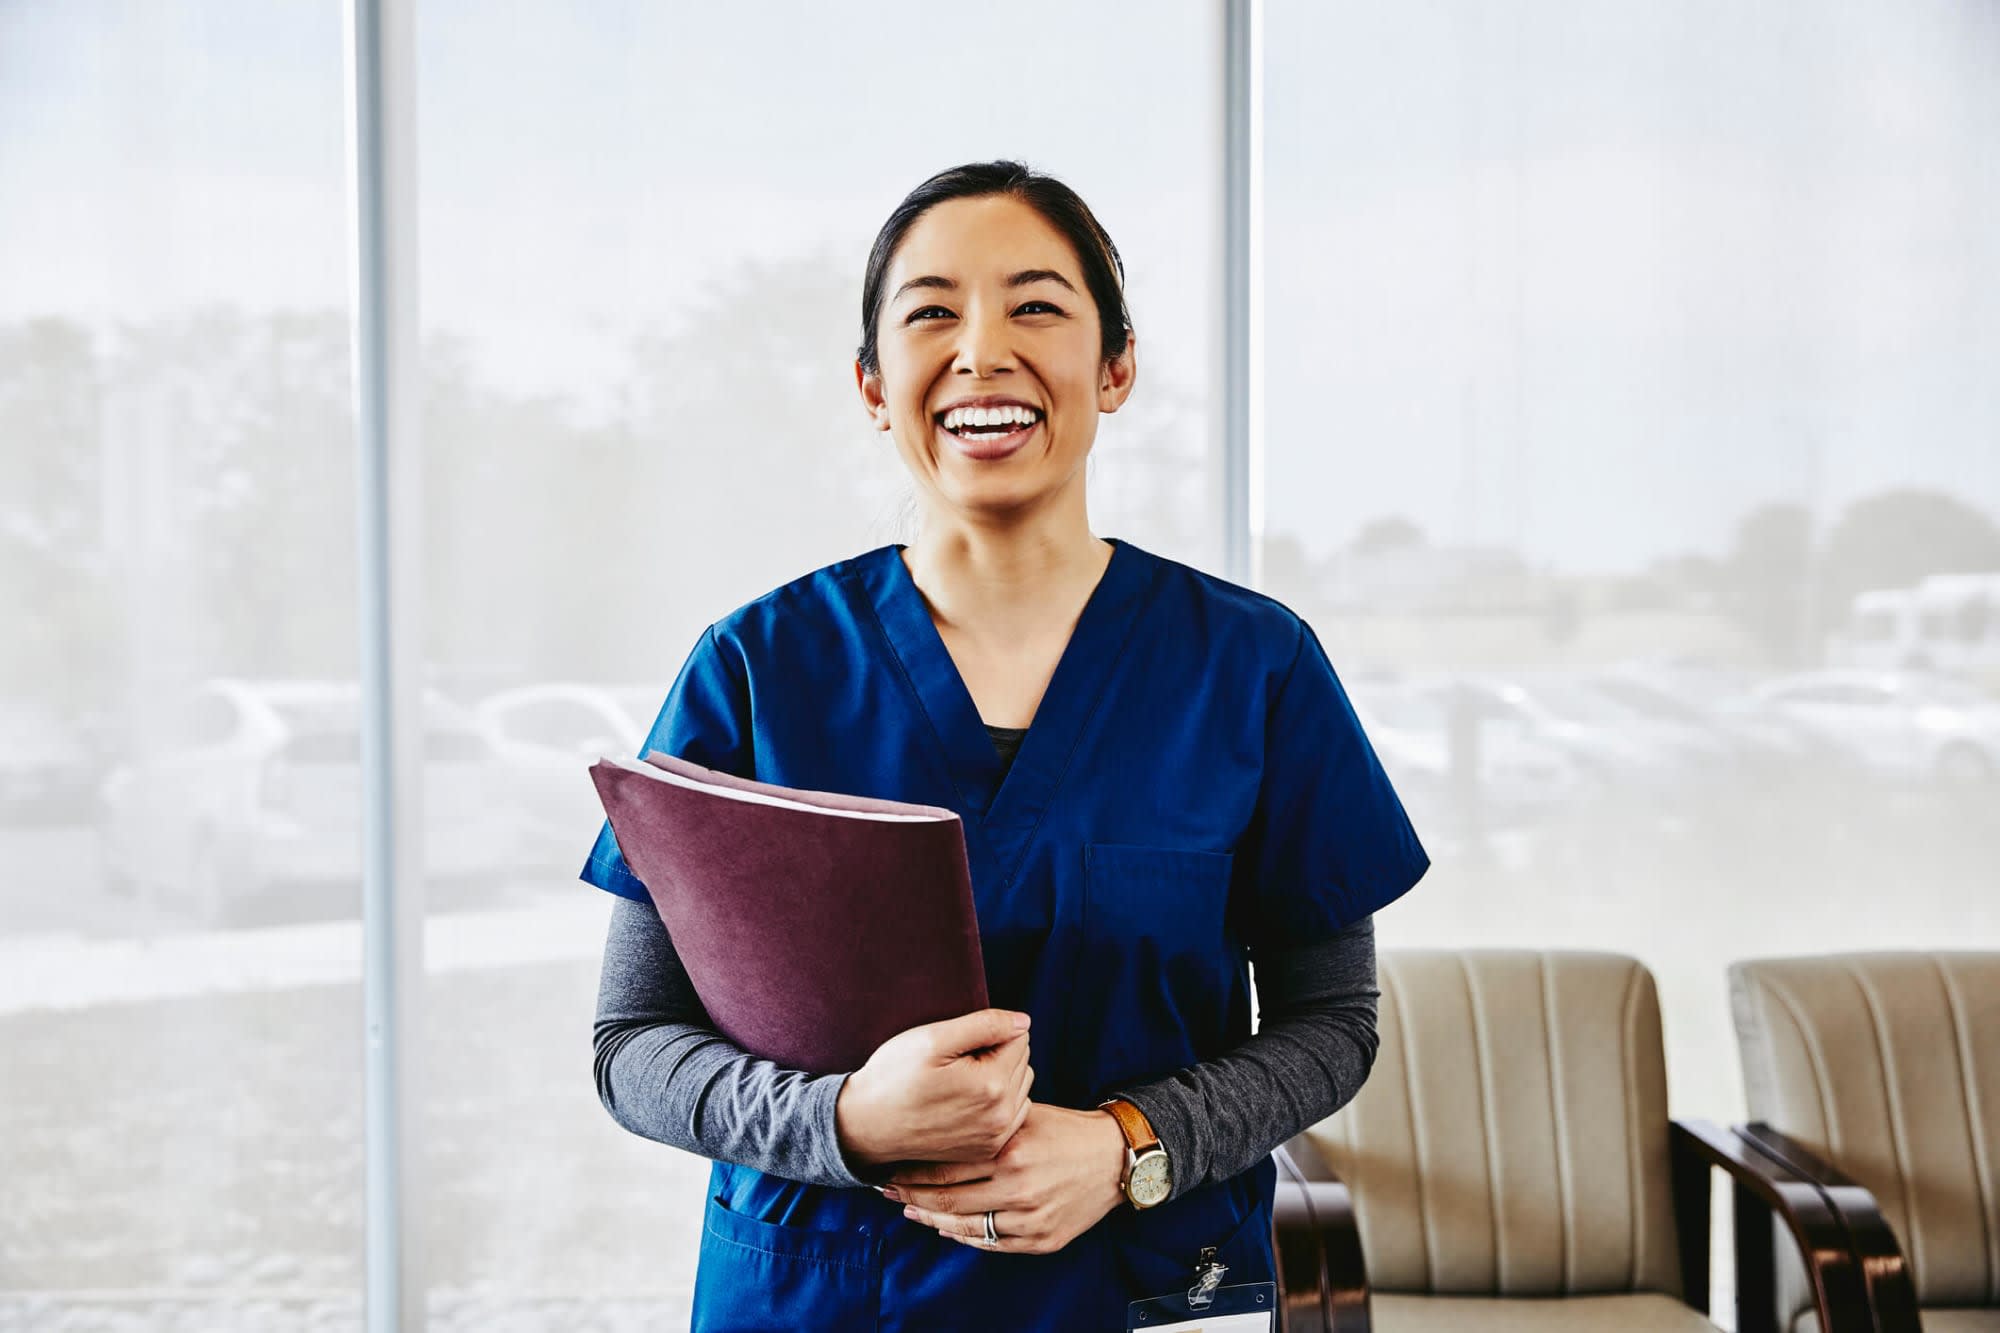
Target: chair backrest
[1511,1139]
[1888,1065]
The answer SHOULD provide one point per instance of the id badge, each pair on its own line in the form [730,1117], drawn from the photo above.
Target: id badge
[1207,1306]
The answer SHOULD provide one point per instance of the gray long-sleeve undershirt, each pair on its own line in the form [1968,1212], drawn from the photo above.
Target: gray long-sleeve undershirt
[665,1073]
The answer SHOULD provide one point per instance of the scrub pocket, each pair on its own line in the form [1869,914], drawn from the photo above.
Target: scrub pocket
[1156,1250]
[1153,982]
[754,1274]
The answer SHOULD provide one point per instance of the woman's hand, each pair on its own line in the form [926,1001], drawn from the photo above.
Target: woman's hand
[951,1091]
[1051,1183]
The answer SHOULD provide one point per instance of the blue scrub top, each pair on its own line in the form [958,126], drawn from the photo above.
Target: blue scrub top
[1194,783]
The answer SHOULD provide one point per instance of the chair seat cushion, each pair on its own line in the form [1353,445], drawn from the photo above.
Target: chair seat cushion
[1937,1319]
[1636,1312]
[1962,1319]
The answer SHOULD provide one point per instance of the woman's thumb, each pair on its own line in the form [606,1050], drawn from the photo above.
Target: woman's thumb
[980,1029]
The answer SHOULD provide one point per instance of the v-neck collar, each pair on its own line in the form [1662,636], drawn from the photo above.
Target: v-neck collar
[1074,690]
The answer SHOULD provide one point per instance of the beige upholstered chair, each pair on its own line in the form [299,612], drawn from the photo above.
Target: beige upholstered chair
[1879,1074]
[1510,1165]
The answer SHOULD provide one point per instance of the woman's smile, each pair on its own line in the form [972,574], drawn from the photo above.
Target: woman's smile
[988,445]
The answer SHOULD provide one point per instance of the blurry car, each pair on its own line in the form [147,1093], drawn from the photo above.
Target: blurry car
[1521,771]
[48,768]
[1907,726]
[547,736]
[1618,750]
[1759,743]
[256,790]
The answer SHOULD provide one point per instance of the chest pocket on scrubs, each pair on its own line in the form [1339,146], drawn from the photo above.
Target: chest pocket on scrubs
[761,1275]
[1152,983]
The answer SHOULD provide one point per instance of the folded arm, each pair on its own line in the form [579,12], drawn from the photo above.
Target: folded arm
[1314,1045]
[665,1073]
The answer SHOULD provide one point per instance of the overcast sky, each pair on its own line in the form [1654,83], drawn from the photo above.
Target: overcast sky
[1589,280]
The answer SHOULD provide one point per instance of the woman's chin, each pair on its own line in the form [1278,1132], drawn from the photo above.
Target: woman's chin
[992,499]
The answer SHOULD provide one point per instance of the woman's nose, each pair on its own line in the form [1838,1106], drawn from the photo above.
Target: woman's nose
[984,344]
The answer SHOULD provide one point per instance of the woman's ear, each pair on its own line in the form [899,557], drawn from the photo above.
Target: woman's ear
[871,396]
[1120,373]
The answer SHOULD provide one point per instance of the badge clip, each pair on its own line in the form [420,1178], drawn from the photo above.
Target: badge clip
[1207,1277]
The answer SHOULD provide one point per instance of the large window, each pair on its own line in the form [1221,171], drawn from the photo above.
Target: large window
[180,1016]
[1627,436]
[1622,354]
[643,232]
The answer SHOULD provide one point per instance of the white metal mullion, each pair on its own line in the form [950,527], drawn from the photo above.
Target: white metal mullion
[381,106]
[1242,279]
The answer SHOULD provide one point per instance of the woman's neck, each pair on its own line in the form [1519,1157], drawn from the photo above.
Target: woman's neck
[1001,581]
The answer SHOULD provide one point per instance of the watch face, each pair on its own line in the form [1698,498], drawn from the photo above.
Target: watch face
[1151,1180]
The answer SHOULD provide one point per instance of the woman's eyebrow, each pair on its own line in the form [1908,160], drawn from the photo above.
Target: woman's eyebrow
[1021,279]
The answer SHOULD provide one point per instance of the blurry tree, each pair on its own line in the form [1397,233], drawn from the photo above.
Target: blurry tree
[232,438]
[1892,540]
[52,590]
[182,499]
[747,442]
[1386,534]
[1764,580]
[530,520]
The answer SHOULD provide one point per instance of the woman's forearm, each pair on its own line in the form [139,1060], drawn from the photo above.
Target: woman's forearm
[665,1073]
[1314,1045]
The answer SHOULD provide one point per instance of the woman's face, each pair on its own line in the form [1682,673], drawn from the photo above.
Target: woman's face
[985,301]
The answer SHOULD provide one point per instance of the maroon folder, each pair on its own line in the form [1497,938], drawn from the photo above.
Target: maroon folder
[814,925]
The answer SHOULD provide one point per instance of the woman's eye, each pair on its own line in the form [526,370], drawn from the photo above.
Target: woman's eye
[916,315]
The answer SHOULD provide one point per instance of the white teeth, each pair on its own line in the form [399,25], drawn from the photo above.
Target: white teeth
[960,417]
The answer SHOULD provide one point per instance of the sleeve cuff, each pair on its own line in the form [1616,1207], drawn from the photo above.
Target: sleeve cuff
[841,1169]
[1172,1120]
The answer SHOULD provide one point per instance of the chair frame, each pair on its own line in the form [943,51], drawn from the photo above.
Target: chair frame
[1892,1293]
[1317,1240]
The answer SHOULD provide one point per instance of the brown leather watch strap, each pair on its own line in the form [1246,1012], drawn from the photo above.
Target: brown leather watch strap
[1139,1134]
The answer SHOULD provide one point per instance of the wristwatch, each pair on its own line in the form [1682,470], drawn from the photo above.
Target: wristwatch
[1149,1174]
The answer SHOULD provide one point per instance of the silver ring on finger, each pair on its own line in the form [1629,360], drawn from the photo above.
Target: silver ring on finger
[992,1236]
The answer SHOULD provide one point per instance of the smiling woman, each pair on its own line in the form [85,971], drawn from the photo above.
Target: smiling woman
[994,330]
[1160,780]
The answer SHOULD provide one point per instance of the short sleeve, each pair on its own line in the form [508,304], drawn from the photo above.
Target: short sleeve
[704,720]
[1329,841]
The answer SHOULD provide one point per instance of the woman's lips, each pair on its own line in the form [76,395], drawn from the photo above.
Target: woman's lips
[995,446]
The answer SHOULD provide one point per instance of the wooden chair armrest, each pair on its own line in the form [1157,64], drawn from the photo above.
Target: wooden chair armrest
[1762,1187]
[1892,1292]
[1322,1278]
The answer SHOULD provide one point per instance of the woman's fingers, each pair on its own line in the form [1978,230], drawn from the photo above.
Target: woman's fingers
[1020,1116]
[1023,1081]
[939,1175]
[939,1201]
[968,1225]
